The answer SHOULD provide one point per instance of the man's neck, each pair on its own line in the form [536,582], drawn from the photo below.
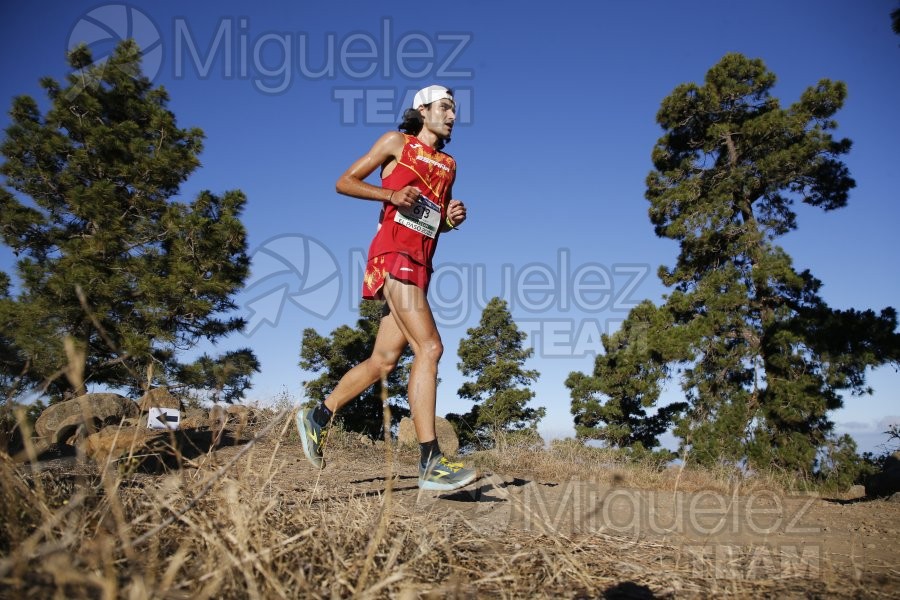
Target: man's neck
[428,137]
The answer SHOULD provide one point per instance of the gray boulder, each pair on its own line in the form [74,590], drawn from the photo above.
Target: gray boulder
[60,422]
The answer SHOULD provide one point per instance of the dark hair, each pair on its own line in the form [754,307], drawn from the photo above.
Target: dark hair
[412,124]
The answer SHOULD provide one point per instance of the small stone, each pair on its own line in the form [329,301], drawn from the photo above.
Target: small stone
[855,492]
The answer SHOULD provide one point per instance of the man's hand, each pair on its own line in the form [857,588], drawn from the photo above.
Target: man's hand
[405,198]
[456,212]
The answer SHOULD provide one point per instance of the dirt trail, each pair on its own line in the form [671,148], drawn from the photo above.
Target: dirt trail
[759,535]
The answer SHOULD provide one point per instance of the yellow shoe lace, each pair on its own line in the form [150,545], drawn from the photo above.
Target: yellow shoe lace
[454,466]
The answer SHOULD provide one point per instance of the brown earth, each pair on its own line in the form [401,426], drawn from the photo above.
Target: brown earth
[754,542]
[526,528]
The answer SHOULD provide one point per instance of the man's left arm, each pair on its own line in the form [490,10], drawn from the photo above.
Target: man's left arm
[456,214]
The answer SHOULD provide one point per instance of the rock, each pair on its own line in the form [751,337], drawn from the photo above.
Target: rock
[158,398]
[60,421]
[195,418]
[855,492]
[244,415]
[446,435]
[218,417]
[886,482]
[148,450]
[406,434]
[113,442]
[895,497]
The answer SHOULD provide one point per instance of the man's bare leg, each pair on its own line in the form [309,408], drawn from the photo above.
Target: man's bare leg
[410,321]
[389,345]
[412,315]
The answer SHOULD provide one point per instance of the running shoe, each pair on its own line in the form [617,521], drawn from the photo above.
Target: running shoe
[442,475]
[312,437]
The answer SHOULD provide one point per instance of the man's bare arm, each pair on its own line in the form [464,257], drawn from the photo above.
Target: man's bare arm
[352,182]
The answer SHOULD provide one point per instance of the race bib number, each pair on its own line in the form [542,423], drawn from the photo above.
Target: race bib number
[424,216]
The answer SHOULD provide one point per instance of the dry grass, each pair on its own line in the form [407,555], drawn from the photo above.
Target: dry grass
[234,525]
[570,460]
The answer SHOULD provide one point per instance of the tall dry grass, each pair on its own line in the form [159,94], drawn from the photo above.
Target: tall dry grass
[235,525]
[569,459]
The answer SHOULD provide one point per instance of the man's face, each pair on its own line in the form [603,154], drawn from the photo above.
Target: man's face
[439,117]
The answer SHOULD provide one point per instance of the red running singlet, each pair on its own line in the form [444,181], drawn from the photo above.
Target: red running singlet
[412,233]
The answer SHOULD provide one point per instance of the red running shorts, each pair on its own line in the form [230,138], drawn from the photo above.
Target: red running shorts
[399,266]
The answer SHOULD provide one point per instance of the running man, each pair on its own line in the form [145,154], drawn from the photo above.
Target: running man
[416,191]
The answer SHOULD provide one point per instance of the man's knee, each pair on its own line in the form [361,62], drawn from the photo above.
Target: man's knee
[431,350]
[385,362]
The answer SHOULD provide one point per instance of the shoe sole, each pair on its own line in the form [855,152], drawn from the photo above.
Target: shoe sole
[315,461]
[435,486]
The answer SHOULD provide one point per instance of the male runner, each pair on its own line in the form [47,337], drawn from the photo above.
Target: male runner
[417,180]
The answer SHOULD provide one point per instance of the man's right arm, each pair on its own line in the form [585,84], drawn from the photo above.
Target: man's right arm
[352,182]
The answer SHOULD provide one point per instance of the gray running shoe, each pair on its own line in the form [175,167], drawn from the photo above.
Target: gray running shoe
[442,475]
[312,437]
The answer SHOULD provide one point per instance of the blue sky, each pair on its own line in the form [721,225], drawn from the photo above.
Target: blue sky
[555,129]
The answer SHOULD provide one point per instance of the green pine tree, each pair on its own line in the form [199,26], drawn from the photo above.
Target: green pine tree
[220,379]
[494,356]
[345,348]
[15,374]
[761,358]
[106,257]
[611,404]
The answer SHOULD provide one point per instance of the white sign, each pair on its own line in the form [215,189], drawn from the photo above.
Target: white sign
[163,418]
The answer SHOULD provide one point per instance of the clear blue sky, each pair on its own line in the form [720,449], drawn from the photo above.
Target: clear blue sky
[556,125]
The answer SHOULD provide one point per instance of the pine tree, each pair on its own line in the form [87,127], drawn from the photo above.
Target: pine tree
[220,379]
[494,356]
[762,359]
[345,348]
[107,258]
[629,375]
[15,375]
